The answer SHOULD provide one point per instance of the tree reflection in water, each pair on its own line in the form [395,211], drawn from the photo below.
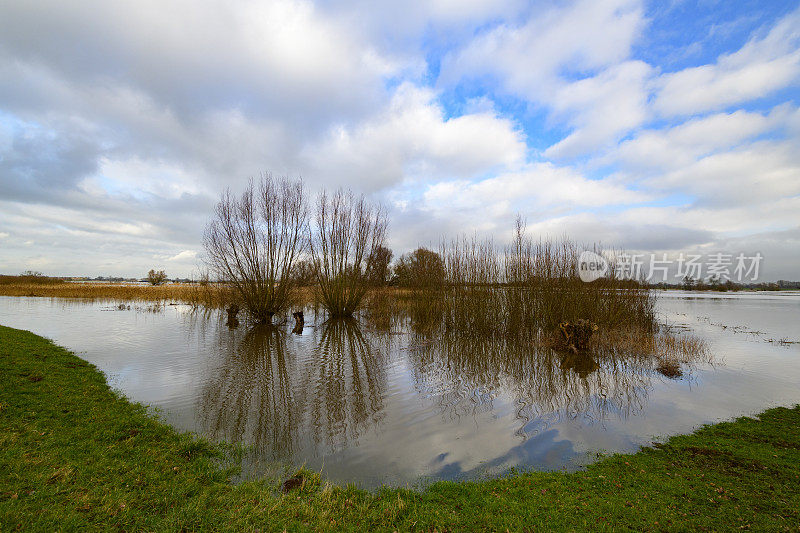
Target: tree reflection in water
[250,399]
[467,374]
[346,382]
[282,400]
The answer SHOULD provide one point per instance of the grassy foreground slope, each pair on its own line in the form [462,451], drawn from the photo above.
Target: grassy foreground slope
[75,455]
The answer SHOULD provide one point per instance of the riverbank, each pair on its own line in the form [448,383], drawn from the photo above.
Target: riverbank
[74,454]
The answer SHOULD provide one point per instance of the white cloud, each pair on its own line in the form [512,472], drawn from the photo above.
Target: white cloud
[185,255]
[587,80]
[759,68]
[601,108]
[538,191]
[530,58]
[542,185]
[763,172]
[275,57]
[675,147]
[719,221]
[412,138]
[139,178]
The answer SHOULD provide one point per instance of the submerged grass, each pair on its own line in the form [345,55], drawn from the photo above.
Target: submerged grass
[75,455]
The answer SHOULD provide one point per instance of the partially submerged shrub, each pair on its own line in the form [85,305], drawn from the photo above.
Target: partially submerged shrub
[254,241]
[670,368]
[348,236]
[575,337]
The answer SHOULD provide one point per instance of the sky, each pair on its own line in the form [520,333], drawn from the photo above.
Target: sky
[658,127]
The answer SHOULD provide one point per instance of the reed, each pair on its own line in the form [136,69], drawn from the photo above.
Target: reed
[527,287]
[212,295]
[29,279]
[662,343]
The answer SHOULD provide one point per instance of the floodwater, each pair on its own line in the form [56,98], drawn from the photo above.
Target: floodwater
[395,407]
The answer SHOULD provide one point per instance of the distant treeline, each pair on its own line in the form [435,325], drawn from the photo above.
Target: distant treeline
[713,284]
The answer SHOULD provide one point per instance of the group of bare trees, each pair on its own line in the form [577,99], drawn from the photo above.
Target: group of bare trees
[265,244]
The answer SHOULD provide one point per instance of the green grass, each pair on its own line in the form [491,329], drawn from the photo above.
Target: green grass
[75,455]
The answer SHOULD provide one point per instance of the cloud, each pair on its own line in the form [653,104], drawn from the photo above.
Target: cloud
[411,138]
[682,144]
[630,231]
[185,255]
[121,124]
[266,58]
[39,161]
[602,108]
[488,206]
[780,249]
[588,80]
[395,26]
[542,185]
[763,172]
[759,68]
[533,58]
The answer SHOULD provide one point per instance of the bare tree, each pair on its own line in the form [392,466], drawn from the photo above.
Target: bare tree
[348,236]
[254,241]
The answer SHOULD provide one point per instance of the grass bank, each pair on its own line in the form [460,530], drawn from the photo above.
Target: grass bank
[74,455]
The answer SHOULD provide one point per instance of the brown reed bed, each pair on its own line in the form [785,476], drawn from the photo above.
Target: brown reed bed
[210,295]
[663,343]
[524,292]
[207,294]
[671,353]
[526,287]
[29,279]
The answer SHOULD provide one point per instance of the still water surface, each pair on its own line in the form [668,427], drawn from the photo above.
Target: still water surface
[393,407]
